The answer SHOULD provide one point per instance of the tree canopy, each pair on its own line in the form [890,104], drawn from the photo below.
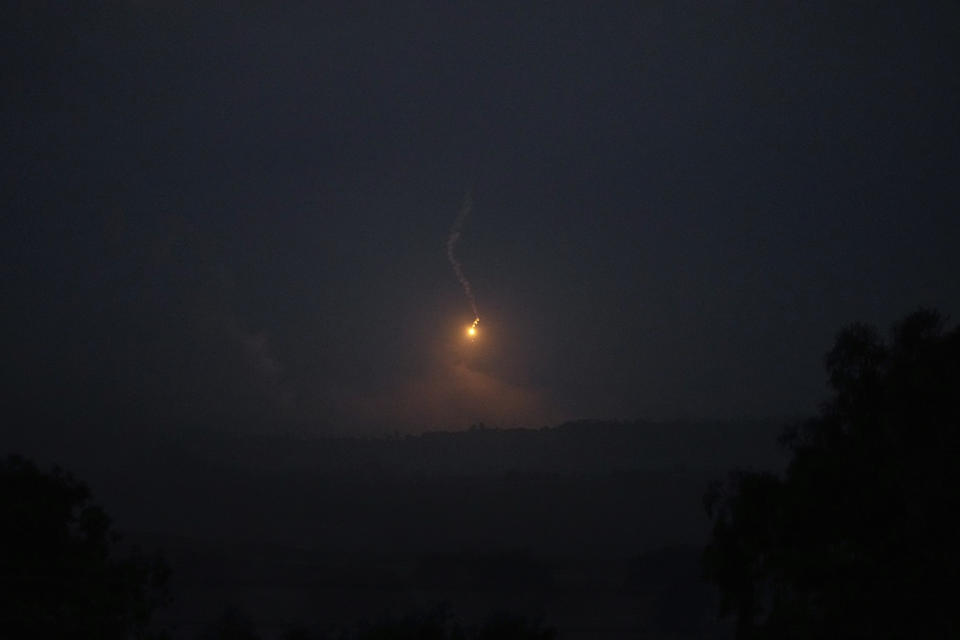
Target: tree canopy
[854,539]
[60,575]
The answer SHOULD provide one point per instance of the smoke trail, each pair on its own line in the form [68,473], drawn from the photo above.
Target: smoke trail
[451,245]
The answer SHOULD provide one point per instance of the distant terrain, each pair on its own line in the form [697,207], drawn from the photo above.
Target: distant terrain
[596,526]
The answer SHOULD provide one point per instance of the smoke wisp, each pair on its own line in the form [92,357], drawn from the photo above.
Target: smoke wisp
[451,246]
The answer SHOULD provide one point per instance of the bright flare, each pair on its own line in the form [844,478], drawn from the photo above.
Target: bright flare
[472,329]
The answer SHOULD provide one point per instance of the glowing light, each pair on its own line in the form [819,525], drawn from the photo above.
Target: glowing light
[472,329]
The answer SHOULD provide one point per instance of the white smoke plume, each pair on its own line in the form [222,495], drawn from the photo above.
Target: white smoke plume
[451,245]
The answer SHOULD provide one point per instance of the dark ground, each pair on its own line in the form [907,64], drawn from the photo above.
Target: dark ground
[596,527]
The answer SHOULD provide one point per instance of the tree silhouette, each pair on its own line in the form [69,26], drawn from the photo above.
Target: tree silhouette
[59,574]
[854,540]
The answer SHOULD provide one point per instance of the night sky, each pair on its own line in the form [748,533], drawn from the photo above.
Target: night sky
[237,218]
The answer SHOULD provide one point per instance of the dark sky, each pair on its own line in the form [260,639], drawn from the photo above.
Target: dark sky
[237,218]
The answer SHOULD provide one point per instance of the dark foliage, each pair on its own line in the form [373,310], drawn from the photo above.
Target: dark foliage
[59,574]
[855,540]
